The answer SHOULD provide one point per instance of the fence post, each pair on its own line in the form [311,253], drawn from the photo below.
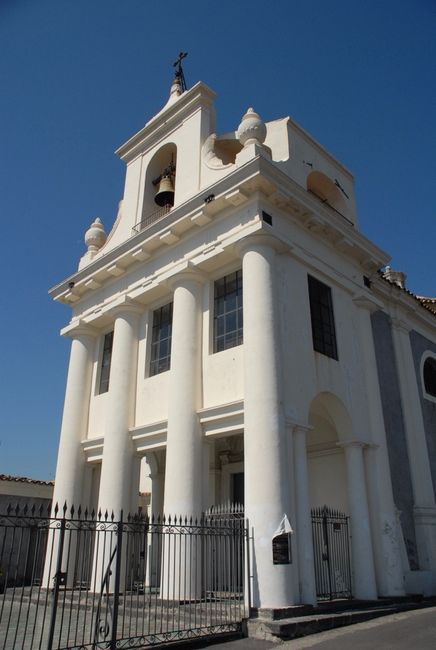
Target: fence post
[248,575]
[57,580]
[118,561]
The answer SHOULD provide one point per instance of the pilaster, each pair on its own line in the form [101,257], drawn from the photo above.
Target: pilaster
[416,445]
[361,543]
[384,522]
[304,521]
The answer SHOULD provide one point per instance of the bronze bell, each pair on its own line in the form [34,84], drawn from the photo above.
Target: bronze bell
[165,192]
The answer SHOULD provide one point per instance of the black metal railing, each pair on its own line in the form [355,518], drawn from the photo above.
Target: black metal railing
[151,218]
[74,579]
[331,554]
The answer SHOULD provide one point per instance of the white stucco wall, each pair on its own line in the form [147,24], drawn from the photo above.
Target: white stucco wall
[328,480]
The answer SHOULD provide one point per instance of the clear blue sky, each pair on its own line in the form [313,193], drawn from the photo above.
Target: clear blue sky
[79,77]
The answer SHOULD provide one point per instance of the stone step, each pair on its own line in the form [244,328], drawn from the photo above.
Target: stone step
[319,621]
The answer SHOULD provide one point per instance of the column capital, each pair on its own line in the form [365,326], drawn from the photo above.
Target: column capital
[257,240]
[348,444]
[297,427]
[400,325]
[79,328]
[125,305]
[187,273]
[367,302]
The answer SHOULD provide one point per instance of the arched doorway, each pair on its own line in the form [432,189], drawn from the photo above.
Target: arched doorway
[329,497]
[337,477]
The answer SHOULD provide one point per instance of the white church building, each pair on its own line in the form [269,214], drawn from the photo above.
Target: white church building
[234,334]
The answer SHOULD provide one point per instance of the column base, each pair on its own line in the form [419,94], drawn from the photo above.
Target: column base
[279,613]
[425,527]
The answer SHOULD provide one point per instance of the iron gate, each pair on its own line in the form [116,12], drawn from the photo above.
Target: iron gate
[71,580]
[331,554]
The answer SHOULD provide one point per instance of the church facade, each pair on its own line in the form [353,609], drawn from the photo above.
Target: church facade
[234,332]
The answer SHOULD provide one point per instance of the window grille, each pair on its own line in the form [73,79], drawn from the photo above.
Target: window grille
[228,314]
[323,323]
[160,359]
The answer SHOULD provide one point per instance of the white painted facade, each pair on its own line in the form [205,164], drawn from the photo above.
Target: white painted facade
[305,429]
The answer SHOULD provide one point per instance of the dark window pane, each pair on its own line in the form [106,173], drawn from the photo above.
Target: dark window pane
[430,376]
[219,326]
[230,322]
[219,306]
[231,302]
[160,357]
[323,324]
[106,363]
[228,312]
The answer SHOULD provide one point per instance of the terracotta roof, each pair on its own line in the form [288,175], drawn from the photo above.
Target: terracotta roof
[24,479]
[428,303]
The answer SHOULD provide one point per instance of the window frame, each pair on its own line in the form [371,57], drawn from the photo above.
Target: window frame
[238,311]
[152,326]
[321,329]
[428,354]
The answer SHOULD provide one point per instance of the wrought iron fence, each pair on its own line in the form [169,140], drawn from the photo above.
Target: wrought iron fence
[331,553]
[74,579]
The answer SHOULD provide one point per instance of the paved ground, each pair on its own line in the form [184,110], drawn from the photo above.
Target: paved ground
[415,630]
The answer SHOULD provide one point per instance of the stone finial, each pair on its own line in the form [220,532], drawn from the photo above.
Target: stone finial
[396,277]
[176,88]
[95,237]
[252,129]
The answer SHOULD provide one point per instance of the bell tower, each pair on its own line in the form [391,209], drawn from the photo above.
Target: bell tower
[161,172]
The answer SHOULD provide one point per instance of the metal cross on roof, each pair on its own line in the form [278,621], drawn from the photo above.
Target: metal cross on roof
[179,70]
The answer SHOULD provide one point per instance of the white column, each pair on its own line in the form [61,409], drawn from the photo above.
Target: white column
[303,529]
[384,521]
[117,465]
[423,492]
[184,460]
[154,540]
[117,469]
[70,469]
[266,445]
[181,554]
[71,460]
[361,543]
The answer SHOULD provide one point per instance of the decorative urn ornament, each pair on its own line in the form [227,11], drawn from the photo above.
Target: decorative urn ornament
[252,129]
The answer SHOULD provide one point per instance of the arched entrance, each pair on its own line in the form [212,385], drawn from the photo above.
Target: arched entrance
[338,497]
[329,498]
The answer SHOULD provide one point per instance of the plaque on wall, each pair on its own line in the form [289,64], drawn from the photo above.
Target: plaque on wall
[281,549]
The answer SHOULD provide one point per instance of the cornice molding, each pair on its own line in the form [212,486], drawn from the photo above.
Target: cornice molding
[79,328]
[255,179]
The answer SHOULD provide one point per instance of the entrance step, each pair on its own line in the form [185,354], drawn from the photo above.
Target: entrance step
[326,616]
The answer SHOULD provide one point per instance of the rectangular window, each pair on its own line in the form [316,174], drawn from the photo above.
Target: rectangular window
[105,368]
[323,324]
[228,316]
[160,359]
